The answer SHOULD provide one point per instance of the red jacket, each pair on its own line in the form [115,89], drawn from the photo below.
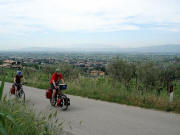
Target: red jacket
[55,77]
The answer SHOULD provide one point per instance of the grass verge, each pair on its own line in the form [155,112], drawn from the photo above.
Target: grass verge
[20,119]
[102,89]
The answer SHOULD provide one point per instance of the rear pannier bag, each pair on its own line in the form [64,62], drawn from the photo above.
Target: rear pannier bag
[48,93]
[12,90]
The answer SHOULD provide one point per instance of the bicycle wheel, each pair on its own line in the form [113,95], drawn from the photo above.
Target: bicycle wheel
[21,96]
[65,102]
[11,95]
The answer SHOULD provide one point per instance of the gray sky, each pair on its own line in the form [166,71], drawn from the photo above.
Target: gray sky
[88,23]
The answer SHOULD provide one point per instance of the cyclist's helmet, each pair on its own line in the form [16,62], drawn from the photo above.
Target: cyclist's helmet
[57,70]
[19,73]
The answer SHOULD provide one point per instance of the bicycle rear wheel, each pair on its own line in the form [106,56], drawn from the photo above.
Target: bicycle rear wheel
[21,96]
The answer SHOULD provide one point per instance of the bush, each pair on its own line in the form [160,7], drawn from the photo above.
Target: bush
[120,70]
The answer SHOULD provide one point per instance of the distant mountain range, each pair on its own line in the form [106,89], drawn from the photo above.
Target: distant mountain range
[157,49]
[149,49]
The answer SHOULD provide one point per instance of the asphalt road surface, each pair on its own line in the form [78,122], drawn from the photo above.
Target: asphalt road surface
[92,117]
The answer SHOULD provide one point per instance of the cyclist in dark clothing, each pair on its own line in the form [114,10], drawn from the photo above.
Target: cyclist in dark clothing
[17,81]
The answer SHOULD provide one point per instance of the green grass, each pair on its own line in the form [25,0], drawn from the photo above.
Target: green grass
[109,90]
[2,87]
[20,119]
[16,118]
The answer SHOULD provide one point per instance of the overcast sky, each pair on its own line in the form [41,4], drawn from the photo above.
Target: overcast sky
[88,23]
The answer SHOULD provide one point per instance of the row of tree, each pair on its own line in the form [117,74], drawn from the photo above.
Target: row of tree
[148,75]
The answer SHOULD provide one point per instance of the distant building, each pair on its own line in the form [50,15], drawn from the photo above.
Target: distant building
[11,64]
[94,73]
[101,73]
[97,73]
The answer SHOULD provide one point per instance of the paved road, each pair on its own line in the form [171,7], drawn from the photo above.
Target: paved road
[91,117]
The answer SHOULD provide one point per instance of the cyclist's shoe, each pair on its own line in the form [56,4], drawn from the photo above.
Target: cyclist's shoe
[53,102]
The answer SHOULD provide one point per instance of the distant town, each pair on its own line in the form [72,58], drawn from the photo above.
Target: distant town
[90,63]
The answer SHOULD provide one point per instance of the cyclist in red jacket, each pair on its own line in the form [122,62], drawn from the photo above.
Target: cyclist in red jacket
[54,82]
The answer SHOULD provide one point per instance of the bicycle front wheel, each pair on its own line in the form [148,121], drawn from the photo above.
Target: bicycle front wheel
[65,102]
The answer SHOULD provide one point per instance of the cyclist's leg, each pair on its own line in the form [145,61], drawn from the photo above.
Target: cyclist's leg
[54,93]
[15,86]
[53,90]
[58,90]
[18,88]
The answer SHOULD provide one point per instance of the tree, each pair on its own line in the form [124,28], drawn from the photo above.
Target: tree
[121,70]
[135,68]
[148,74]
[68,72]
[168,75]
[177,67]
[1,62]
